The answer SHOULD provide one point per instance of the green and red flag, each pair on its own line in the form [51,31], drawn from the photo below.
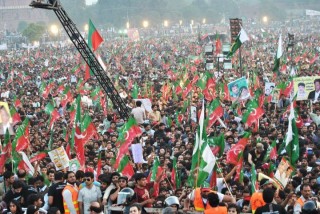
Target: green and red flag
[99,165]
[16,102]
[217,144]
[271,153]
[175,177]
[5,151]
[187,90]
[215,111]
[66,97]
[53,112]
[94,40]
[15,116]
[286,87]
[125,167]
[21,139]
[127,133]
[202,82]
[78,136]
[253,113]
[45,90]
[239,171]
[38,157]
[233,153]
[88,129]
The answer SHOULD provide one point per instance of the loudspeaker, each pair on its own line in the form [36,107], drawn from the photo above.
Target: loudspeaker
[235,27]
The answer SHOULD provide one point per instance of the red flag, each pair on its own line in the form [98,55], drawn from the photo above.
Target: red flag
[127,135]
[233,153]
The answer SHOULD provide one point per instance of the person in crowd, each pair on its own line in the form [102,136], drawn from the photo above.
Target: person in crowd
[14,207]
[305,196]
[135,209]
[257,197]
[199,197]
[89,193]
[268,195]
[70,194]
[213,200]
[55,198]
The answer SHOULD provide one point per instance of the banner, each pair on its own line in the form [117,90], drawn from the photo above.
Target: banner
[283,172]
[307,88]
[60,158]
[275,95]
[268,89]
[74,165]
[312,13]
[5,119]
[238,89]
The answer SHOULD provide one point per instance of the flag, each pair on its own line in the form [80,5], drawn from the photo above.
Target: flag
[175,177]
[241,38]
[315,58]
[99,165]
[206,160]
[125,167]
[292,139]
[54,114]
[278,55]
[239,168]
[37,157]
[271,153]
[6,150]
[127,133]
[253,179]
[78,136]
[218,145]
[94,40]
[135,91]
[21,140]
[253,113]
[218,45]
[66,97]
[15,116]
[233,153]
[88,129]
[286,87]
[215,111]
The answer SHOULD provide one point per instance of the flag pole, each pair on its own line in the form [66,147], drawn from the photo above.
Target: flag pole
[224,180]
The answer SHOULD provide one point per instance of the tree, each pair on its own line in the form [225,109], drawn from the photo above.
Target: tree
[22,26]
[34,32]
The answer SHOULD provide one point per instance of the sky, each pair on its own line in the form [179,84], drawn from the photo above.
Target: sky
[89,2]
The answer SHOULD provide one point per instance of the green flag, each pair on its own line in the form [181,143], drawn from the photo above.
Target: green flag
[241,38]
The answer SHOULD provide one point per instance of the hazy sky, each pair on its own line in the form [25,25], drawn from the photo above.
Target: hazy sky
[89,2]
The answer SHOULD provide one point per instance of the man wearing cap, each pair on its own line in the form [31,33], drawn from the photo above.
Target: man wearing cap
[199,196]
[256,198]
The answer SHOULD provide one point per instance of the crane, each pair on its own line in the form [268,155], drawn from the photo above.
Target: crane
[86,53]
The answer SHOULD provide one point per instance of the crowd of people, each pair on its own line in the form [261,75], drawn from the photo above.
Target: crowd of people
[152,68]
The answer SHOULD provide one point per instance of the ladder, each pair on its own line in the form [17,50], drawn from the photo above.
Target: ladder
[86,53]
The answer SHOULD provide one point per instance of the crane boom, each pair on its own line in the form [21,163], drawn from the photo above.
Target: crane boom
[86,53]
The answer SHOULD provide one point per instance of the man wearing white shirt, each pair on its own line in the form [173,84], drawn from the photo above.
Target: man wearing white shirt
[315,95]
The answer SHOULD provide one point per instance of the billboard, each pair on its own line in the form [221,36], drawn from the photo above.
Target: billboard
[307,88]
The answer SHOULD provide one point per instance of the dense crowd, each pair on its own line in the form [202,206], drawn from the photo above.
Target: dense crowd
[152,69]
